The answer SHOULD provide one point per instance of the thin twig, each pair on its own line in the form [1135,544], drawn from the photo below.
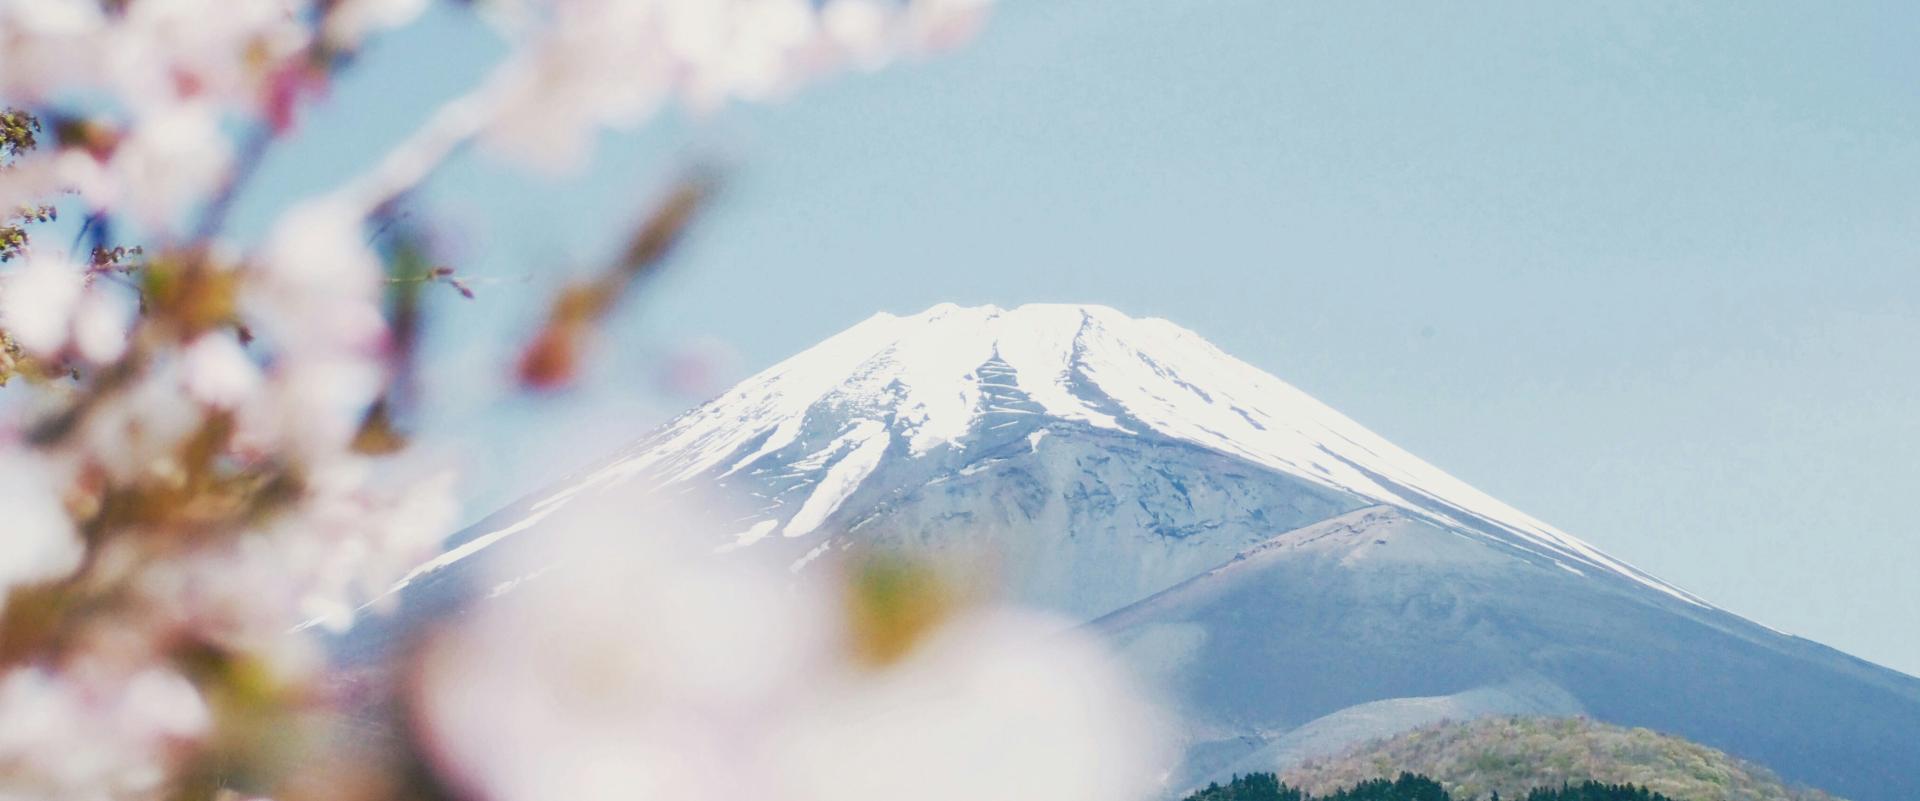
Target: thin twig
[448,131]
[252,153]
[81,235]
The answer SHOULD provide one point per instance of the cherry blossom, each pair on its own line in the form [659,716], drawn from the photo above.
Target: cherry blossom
[203,477]
[101,321]
[37,302]
[350,21]
[41,542]
[630,666]
[602,64]
[89,733]
[168,162]
[216,371]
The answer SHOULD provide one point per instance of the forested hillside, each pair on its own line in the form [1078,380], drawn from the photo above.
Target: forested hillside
[1410,787]
[1515,755]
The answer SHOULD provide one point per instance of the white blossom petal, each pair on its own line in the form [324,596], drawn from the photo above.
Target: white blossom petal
[218,372]
[41,542]
[631,668]
[100,325]
[170,161]
[37,303]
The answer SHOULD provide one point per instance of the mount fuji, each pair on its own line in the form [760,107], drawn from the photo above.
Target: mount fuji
[1292,582]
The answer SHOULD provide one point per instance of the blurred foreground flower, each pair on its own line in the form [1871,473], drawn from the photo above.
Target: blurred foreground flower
[82,735]
[613,63]
[630,668]
[210,458]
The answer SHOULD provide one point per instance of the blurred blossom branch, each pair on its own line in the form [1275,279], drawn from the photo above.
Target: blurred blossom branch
[451,127]
[552,358]
[205,462]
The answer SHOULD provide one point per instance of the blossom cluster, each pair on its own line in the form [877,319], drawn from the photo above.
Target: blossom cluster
[201,465]
[870,682]
[599,64]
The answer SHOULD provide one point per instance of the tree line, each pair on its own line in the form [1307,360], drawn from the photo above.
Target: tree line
[1408,787]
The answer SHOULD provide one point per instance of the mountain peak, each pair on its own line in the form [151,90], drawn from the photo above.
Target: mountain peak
[953,379]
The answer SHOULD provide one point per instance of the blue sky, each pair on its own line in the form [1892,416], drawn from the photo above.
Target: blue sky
[1650,272]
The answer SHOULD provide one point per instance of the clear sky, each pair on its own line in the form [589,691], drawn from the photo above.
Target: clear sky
[1650,272]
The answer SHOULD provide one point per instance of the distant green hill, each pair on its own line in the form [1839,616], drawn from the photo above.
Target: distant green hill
[1515,755]
[1409,787]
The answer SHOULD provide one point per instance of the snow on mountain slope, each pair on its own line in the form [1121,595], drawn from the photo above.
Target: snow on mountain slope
[1376,621]
[951,382]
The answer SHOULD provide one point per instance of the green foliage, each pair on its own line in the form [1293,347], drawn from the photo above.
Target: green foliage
[1596,791]
[1407,787]
[1251,787]
[19,133]
[1513,756]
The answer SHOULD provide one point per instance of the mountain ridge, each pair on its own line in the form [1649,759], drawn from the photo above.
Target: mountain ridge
[1127,473]
[927,381]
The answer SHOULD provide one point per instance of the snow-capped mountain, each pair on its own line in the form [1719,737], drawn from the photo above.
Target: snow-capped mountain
[852,427]
[1290,578]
